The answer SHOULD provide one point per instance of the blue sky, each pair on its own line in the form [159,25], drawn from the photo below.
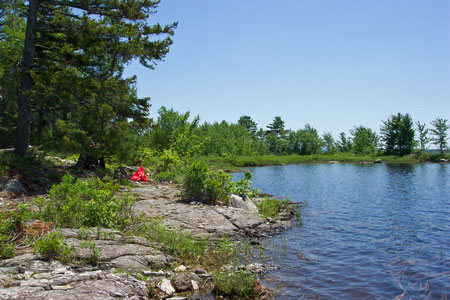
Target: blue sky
[333,64]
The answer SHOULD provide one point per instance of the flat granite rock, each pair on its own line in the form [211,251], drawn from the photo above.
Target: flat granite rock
[109,286]
[203,220]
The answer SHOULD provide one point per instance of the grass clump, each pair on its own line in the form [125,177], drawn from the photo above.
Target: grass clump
[235,284]
[12,229]
[77,203]
[271,208]
[189,248]
[53,246]
[94,258]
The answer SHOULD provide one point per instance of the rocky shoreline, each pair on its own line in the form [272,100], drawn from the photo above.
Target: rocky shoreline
[132,267]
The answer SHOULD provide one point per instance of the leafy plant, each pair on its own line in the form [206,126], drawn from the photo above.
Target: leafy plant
[215,184]
[11,229]
[243,186]
[235,284]
[54,246]
[77,203]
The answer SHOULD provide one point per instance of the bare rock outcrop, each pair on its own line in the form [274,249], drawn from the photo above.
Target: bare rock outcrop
[209,221]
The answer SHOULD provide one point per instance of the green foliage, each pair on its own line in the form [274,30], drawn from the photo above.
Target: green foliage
[31,165]
[440,132]
[214,185]
[329,142]
[224,139]
[277,127]
[365,140]
[271,208]
[243,186]
[397,134]
[78,203]
[235,284]
[174,131]
[12,33]
[53,246]
[11,226]
[344,144]
[309,140]
[422,138]
[195,180]
[76,53]
[94,258]
[189,248]
[249,124]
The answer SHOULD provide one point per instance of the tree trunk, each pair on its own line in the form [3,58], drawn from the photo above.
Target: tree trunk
[24,115]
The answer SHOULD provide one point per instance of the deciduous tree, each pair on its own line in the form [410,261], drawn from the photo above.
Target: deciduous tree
[365,140]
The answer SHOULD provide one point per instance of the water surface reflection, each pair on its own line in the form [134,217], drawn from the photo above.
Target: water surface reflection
[369,231]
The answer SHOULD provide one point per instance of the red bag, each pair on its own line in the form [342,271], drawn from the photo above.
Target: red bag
[139,175]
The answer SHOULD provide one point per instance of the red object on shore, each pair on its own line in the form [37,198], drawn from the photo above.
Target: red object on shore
[139,175]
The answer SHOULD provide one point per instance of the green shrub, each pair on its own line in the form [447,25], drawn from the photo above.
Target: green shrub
[216,184]
[78,203]
[243,186]
[235,284]
[7,249]
[53,246]
[195,179]
[11,226]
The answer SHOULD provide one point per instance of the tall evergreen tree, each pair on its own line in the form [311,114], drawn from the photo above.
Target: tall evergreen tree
[397,134]
[82,47]
[12,32]
[440,132]
[422,138]
[277,127]
[248,123]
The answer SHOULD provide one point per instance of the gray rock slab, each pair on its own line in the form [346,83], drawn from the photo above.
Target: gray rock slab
[14,186]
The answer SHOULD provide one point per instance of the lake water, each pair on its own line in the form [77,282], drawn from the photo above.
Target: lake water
[378,231]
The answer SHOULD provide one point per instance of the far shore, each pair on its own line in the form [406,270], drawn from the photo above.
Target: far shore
[236,163]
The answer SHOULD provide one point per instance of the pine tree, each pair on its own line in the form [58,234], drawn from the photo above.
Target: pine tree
[422,137]
[248,123]
[440,132]
[72,79]
[398,134]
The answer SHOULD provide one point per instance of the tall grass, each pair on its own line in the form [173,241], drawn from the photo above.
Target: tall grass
[186,246]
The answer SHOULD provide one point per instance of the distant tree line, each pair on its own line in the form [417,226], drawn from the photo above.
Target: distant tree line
[62,87]
[399,136]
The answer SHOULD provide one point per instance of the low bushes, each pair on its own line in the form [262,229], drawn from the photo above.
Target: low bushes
[77,203]
[53,246]
[214,185]
[11,229]
[235,284]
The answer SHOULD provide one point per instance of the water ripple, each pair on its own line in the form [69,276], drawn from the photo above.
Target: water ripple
[369,231]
